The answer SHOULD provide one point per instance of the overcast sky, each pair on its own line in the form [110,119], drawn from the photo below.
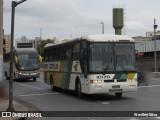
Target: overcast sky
[61,18]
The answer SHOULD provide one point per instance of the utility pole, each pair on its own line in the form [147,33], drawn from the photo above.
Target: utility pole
[14,5]
[41,33]
[102,27]
[71,36]
[155,56]
[1,40]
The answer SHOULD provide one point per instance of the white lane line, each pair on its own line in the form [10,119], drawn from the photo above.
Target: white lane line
[157,117]
[90,118]
[134,119]
[149,86]
[104,103]
[30,86]
[38,94]
[40,81]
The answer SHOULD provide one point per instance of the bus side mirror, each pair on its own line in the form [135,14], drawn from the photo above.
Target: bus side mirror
[16,59]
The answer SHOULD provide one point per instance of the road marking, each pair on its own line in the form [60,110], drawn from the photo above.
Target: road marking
[149,86]
[157,117]
[134,119]
[40,81]
[30,86]
[39,94]
[90,118]
[104,103]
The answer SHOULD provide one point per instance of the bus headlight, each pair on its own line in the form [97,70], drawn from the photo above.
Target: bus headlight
[131,80]
[19,72]
[95,81]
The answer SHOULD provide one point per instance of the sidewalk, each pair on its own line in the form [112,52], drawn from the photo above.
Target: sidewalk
[18,104]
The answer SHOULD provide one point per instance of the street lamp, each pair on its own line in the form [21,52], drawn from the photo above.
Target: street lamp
[155,27]
[102,27]
[10,107]
[71,36]
[41,33]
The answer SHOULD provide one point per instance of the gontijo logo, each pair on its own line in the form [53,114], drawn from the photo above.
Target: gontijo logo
[23,114]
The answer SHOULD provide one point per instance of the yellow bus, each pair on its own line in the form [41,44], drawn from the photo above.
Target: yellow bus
[93,64]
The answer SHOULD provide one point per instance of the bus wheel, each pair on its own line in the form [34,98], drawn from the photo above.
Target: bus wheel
[118,95]
[6,75]
[34,79]
[78,89]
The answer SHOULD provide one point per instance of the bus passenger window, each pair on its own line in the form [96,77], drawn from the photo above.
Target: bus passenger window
[76,49]
[69,52]
[62,52]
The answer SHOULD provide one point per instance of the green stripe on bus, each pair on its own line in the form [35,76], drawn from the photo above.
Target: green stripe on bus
[66,76]
[120,76]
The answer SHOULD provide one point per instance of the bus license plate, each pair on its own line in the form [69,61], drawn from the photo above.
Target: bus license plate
[116,86]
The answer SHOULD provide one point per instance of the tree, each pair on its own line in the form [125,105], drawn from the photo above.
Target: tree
[40,47]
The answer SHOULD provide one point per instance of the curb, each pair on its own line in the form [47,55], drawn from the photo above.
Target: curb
[19,106]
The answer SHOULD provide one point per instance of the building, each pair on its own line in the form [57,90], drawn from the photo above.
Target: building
[7,38]
[35,42]
[142,39]
[151,34]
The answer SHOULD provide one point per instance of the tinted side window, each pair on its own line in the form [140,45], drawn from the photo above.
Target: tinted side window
[68,51]
[57,53]
[84,44]
[62,52]
[46,54]
[50,54]
[76,49]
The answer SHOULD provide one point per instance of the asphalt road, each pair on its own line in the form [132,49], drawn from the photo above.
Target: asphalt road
[40,95]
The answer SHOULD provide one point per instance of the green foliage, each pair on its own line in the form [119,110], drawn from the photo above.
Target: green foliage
[40,47]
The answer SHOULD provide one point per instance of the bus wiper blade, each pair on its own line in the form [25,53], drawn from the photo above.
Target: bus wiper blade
[125,70]
[31,65]
[107,66]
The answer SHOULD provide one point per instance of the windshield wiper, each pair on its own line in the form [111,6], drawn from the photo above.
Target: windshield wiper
[107,66]
[125,70]
[31,65]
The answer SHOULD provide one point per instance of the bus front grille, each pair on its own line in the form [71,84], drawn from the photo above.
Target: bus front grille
[108,80]
[120,80]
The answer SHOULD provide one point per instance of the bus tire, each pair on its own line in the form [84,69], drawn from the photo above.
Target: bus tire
[118,95]
[34,79]
[78,89]
[6,75]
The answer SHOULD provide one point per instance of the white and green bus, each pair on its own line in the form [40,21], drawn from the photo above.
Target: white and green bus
[93,64]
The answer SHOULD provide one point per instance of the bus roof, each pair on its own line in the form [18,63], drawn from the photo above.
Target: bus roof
[25,50]
[108,38]
[99,38]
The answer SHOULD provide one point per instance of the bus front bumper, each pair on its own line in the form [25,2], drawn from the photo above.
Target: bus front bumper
[111,88]
[28,75]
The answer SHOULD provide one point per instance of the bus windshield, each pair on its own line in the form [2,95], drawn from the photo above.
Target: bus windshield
[28,61]
[101,57]
[107,57]
[124,57]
